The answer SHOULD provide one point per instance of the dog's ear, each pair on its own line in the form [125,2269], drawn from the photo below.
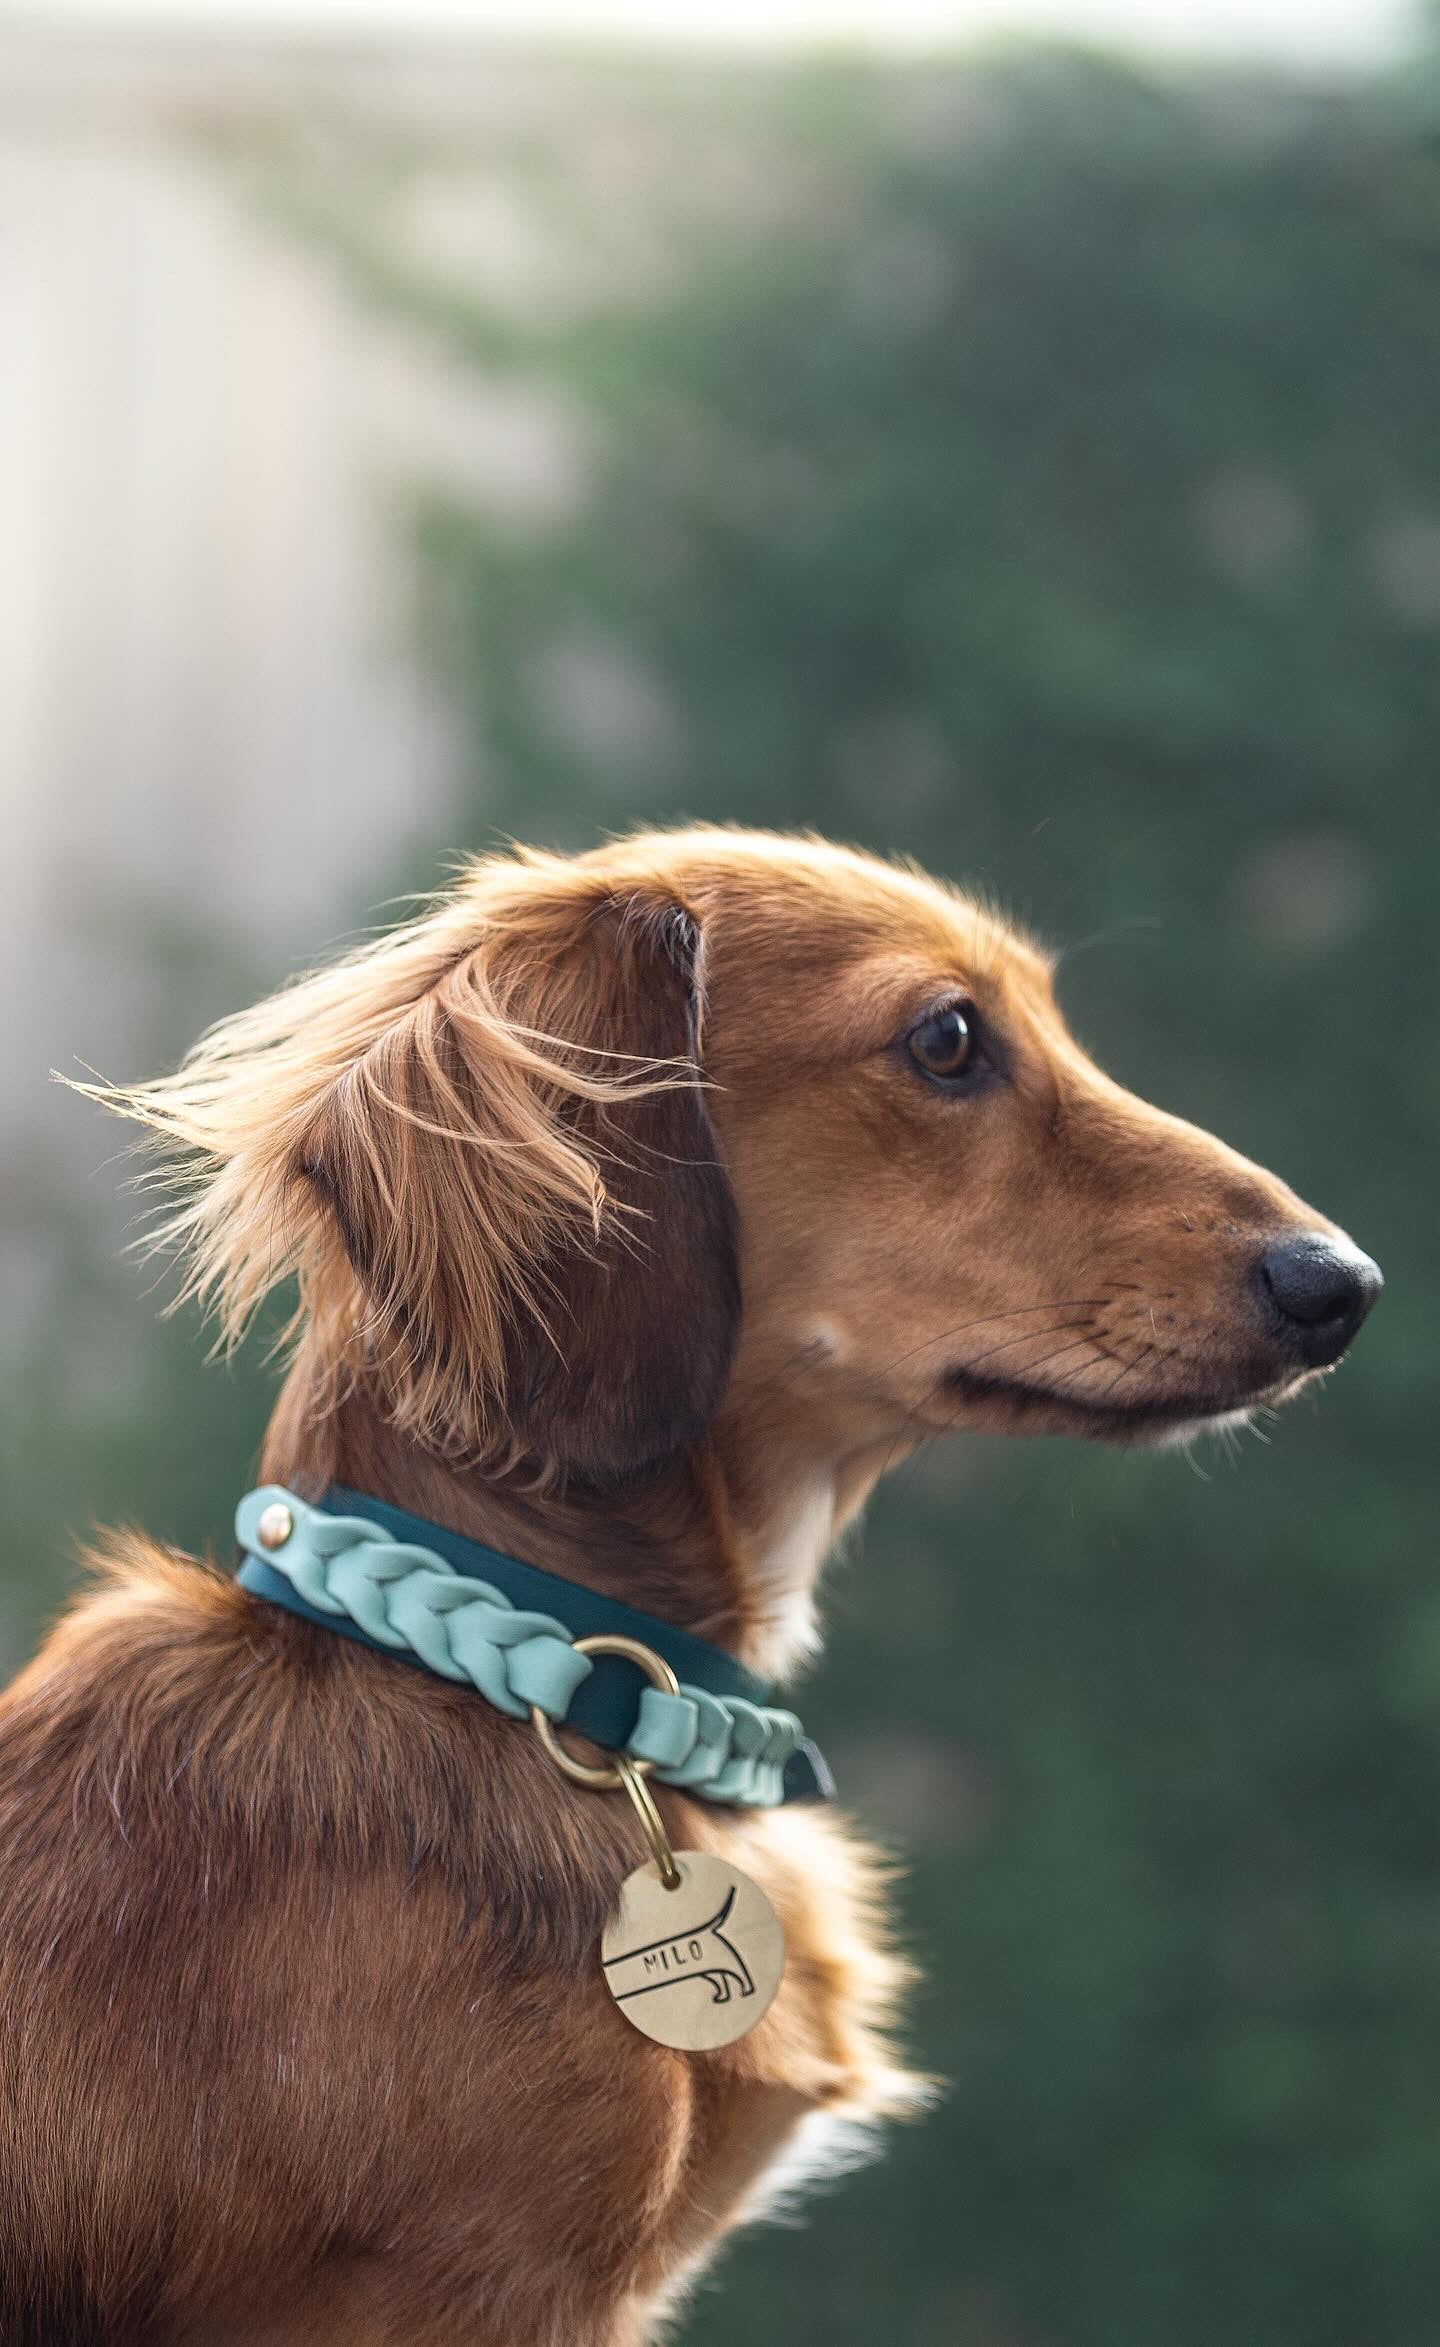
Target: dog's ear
[527,1186]
[629,1363]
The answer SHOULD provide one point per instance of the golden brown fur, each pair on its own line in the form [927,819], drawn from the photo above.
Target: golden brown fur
[628,1239]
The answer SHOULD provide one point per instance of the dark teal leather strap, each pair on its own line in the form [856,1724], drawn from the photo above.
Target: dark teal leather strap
[605,1707]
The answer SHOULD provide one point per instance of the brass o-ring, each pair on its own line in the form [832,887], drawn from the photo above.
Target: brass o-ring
[657,1671]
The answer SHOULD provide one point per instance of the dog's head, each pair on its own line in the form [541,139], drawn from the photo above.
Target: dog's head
[604,1149]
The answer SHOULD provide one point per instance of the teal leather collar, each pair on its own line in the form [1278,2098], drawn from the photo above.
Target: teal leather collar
[403,1586]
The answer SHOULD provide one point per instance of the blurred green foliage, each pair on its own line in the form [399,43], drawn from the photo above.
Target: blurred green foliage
[1048,487]
[1042,479]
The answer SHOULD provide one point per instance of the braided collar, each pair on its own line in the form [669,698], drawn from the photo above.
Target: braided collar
[428,1596]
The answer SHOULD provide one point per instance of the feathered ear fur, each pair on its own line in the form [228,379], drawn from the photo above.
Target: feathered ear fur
[481,1145]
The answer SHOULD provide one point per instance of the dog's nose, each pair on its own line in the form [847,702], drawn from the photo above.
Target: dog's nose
[1320,1290]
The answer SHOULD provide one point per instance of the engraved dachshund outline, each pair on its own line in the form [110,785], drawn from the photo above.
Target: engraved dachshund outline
[703,1953]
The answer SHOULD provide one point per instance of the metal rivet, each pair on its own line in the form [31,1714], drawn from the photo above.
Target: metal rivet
[275,1526]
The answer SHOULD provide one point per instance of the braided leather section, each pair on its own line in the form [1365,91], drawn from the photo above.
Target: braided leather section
[409,1599]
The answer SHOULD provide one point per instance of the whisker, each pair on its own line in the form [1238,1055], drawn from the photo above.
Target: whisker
[1078,1370]
[1056,1355]
[794,1362]
[1127,927]
[945,1335]
[906,1423]
[1029,1336]
[1167,1354]
[1131,1365]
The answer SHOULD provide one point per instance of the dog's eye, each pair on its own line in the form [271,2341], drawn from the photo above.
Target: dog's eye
[945,1045]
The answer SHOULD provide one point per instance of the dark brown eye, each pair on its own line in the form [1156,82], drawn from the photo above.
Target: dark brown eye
[945,1044]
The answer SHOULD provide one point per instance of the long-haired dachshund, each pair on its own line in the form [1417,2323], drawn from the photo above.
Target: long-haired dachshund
[641,1209]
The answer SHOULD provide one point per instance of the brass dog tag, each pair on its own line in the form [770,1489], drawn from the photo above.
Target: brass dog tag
[696,1965]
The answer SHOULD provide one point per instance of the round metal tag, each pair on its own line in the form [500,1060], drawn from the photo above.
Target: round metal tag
[695,1966]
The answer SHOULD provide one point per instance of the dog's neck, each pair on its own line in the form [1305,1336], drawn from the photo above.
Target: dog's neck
[726,1541]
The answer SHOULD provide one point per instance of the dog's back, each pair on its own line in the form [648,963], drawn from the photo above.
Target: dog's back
[128,2158]
[93,1942]
[277,1993]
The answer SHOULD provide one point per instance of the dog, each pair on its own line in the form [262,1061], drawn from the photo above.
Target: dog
[642,1209]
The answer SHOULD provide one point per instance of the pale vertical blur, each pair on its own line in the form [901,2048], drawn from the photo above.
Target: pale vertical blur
[211,709]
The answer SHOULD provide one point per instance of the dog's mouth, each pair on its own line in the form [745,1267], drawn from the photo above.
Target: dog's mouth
[1011,1403]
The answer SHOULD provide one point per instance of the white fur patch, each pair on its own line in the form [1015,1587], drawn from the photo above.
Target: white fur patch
[787,1568]
[1188,1430]
[823,2146]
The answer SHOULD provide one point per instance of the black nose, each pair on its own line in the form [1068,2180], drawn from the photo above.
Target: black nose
[1320,1289]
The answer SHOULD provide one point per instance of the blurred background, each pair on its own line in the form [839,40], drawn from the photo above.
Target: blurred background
[1002,435]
